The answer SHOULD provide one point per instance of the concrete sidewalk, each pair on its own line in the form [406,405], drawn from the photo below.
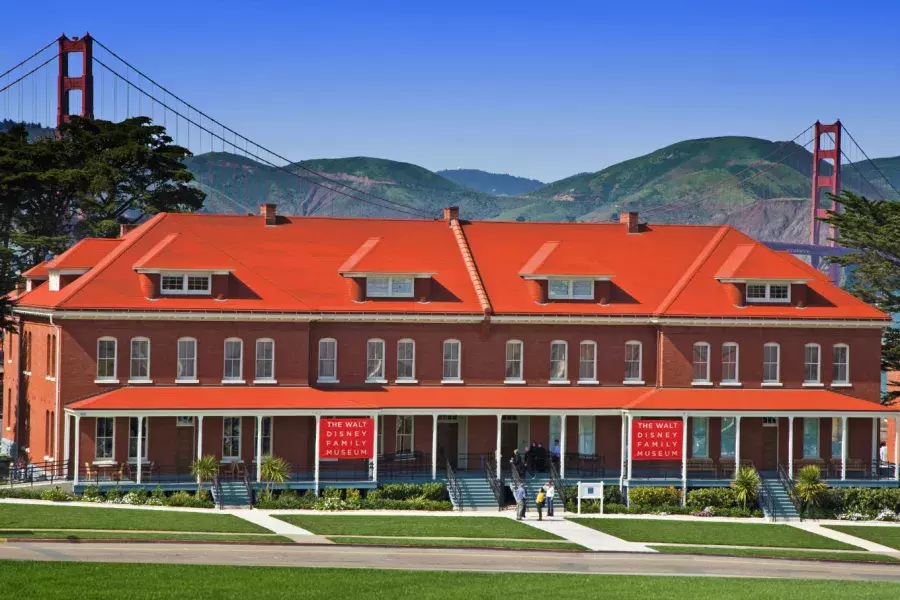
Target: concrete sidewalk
[298,534]
[844,537]
[585,536]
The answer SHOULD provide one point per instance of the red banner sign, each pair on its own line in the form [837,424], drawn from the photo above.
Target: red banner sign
[656,439]
[346,438]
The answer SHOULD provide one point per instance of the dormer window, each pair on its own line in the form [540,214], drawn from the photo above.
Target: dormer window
[571,289]
[768,292]
[183,283]
[395,286]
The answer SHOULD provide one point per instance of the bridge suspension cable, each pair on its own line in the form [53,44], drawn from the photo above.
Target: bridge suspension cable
[871,164]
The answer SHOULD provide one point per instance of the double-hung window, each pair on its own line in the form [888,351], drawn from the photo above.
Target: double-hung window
[699,437]
[187,360]
[404,435]
[104,440]
[633,362]
[768,292]
[812,364]
[140,360]
[451,358]
[184,283]
[840,373]
[406,360]
[106,359]
[729,431]
[559,358]
[810,437]
[375,361]
[265,360]
[394,286]
[234,359]
[771,363]
[266,435]
[132,439]
[730,363]
[571,289]
[701,362]
[837,436]
[328,359]
[231,438]
[587,362]
[513,371]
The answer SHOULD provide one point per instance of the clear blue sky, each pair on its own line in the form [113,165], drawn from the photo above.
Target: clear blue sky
[543,89]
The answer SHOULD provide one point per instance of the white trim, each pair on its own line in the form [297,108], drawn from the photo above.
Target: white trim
[380,378]
[155,271]
[367,274]
[139,381]
[411,379]
[559,382]
[736,381]
[390,286]
[105,459]
[776,382]
[514,382]
[144,429]
[256,377]
[570,287]
[767,284]
[265,382]
[106,381]
[406,381]
[813,384]
[185,277]
[702,384]
[705,380]
[226,360]
[841,385]
[115,365]
[818,378]
[565,363]
[131,378]
[735,384]
[588,382]
[180,381]
[634,382]
[233,382]
[452,381]
[232,458]
[521,378]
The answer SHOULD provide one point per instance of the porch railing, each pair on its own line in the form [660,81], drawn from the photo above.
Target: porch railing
[558,483]
[590,466]
[33,473]
[766,500]
[217,491]
[495,482]
[453,487]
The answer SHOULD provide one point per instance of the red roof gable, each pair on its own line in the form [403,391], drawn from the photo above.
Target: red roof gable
[84,254]
[564,258]
[756,261]
[38,271]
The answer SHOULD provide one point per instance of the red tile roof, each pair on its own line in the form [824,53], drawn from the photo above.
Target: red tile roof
[38,271]
[756,261]
[755,400]
[184,251]
[84,254]
[564,258]
[377,255]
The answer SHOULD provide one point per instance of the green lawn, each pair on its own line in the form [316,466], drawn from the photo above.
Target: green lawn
[468,543]
[886,536]
[132,535]
[463,527]
[64,580]
[26,516]
[726,534]
[773,553]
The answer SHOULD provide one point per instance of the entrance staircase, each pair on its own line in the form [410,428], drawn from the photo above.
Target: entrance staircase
[476,494]
[781,507]
[231,494]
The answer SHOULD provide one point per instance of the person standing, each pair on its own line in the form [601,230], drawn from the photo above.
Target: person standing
[520,502]
[550,494]
[555,451]
[539,503]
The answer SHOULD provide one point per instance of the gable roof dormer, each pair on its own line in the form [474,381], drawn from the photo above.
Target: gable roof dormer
[181,264]
[567,271]
[378,269]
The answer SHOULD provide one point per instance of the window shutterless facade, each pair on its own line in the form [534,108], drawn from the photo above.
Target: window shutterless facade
[104,446]
[771,363]
[234,360]
[571,289]
[559,358]
[140,359]
[185,283]
[452,353]
[810,437]
[587,362]
[729,429]
[633,362]
[812,364]
[586,445]
[375,361]
[730,363]
[514,351]
[231,438]
[699,437]
[701,362]
[768,292]
[132,439]
[328,359]
[265,360]
[840,369]
[404,435]
[406,360]
[187,359]
[395,286]
[106,359]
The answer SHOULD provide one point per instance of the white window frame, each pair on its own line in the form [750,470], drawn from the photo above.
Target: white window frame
[593,362]
[507,361]
[411,378]
[271,436]
[570,289]
[845,382]
[97,437]
[444,362]
[410,435]
[145,435]
[587,430]
[390,287]
[240,431]
[115,360]
[705,451]
[184,378]
[837,436]
[564,378]
[817,382]
[240,362]
[768,297]
[320,362]
[772,382]
[257,378]
[818,453]
[640,363]
[704,379]
[132,377]
[378,377]
[723,453]
[185,278]
[736,380]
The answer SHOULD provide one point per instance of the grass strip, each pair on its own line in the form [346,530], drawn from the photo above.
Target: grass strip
[888,535]
[778,553]
[463,543]
[704,533]
[418,526]
[65,580]
[142,536]
[25,516]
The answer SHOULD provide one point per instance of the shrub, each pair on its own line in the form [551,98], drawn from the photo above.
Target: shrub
[655,496]
[332,493]
[415,504]
[24,493]
[287,499]
[612,494]
[746,485]
[157,497]
[57,495]
[186,499]
[809,487]
[713,497]
[435,492]
[93,494]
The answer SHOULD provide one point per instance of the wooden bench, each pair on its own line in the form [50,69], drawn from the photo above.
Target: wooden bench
[726,466]
[701,465]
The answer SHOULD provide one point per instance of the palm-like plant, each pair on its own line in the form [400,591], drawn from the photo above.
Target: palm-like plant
[809,487]
[204,469]
[274,469]
[746,485]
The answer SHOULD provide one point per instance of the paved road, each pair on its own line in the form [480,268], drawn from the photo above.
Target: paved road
[447,560]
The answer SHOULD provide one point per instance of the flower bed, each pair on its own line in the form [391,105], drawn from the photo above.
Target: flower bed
[400,496]
[701,502]
[116,496]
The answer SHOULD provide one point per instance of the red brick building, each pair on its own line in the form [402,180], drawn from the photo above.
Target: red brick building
[463,340]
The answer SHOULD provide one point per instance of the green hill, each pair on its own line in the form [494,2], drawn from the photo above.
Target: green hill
[492,183]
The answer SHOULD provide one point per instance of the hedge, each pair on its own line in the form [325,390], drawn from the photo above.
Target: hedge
[116,496]
[393,496]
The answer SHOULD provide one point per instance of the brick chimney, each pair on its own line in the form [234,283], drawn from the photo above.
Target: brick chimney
[451,212]
[268,211]
[631,221]
[126,228]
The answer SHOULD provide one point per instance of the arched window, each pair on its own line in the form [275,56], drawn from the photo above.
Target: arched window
[587,362]
[406,360]
[234,361]
[514,361]
[701,362]
[452,356]
[730,373]
[187,360]
[140,360]
[840,373]
[771,364]
[106,359]
[633,367]
[812,364]
[328,360]
[375,361]
[265,360]
[559,358]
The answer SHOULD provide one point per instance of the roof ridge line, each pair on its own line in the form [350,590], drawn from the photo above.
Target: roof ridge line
[471,267]
[692,270]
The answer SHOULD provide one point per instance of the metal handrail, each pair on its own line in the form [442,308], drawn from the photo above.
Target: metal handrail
[765,496]
[558,483]
[495,482]
[217,491]
[453,487]
[40,472]
[788,485]
[249,488]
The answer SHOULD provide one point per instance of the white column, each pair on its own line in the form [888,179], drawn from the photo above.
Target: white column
[737,445]
[199,441]
[791,448]
[375,450]
[434,423]
[66,444]
[623,449]
[875,441]
[77,447]
[684,429]
[896,448]
[628,460]
[562,447]
[259,436]
[843,448]
[316,455]
[140,449]
[497,452]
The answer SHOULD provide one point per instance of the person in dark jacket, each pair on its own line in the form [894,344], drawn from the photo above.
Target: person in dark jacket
[530,458]
[541,458]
